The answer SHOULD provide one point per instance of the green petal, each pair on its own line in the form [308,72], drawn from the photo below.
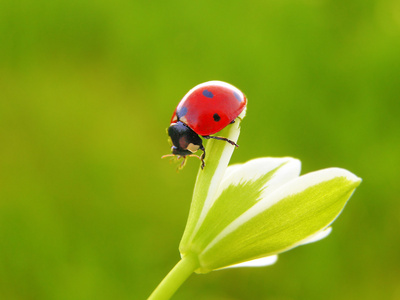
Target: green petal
[281,220]
[243,185]
[209,179]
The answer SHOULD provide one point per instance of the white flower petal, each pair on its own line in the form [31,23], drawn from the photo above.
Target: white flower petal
[259,262]
[288,168]
[218,175]
[246,182]
[316,236]
[231,169]
[295,186]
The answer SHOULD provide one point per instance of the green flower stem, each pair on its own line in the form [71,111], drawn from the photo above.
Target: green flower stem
[175,278]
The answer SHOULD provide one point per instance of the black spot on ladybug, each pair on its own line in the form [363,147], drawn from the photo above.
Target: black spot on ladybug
[216,117]
[208,94]
[181,112]
[237,96]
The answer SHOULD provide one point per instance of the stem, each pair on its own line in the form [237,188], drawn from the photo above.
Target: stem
[174,279]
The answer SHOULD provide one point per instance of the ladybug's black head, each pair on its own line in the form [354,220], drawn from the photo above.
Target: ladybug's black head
[185,141]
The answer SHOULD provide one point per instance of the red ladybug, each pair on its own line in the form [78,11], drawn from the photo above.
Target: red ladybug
[204,110]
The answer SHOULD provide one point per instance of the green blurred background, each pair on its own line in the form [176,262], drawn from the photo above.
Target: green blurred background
[88,210]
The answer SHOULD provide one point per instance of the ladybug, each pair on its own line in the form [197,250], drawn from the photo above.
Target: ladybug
[205,110]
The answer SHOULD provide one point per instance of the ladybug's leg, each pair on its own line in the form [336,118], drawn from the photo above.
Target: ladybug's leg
[221,139]
[199,157]
[203,155]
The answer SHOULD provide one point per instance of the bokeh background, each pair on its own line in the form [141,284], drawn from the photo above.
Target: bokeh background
[88,210]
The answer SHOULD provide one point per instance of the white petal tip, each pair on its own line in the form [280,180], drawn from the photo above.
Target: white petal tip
[339,172]
[259,262]
[316,236]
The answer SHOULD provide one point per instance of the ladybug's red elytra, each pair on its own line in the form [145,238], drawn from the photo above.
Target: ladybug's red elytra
[205,110]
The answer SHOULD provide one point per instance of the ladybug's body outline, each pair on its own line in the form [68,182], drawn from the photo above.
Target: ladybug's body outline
[205,110]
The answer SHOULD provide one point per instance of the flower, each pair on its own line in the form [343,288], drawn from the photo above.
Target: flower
[262,208]
[246,214]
